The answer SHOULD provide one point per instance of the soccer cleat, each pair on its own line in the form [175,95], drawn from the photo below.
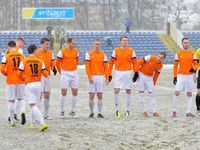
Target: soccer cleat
[100,116]
[190,114]
[31,126]
[127,113]
[118,114]
[155,114]
[62,115]
[174,114]
[23,118]
[15,116]
[43,127]
[72,114]
[145,114]
[91,115]
[47,117]
[11,125]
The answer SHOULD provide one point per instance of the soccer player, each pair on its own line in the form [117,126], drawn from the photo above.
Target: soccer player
[185,66]
[66,63]
[48,58]
[198,83]
[96,64]
[14,87]
[149,69]
[125,62]
[30,70]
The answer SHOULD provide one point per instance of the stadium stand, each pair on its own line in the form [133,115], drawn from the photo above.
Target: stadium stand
[194,38]
[144,43]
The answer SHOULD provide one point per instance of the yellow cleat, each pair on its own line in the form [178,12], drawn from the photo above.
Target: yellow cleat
[43,127]
[127,113]
[11,125]
[118,114]
[31,126]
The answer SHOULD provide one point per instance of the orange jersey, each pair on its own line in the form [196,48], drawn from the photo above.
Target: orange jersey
[184,61]
[96,63]
[33,68]
[67,59]
[10,65]
[123,59]
[148,65]
[48,59]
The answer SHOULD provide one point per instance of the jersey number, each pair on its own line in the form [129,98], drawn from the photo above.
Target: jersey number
[34,68]
[16,61]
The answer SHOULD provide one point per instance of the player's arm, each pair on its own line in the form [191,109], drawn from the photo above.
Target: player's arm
[105,65]
[77,59]
[59,60]
[194,64]
[175,70]
[44,70]
[53,65]
[20,72]
[111,64]
[87,66]
[3,66]
[155,76]
[134,62]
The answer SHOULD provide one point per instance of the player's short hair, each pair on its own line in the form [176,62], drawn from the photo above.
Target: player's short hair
[163,53]
[185,38]
[69,40]
[43,40]
[97,40]
[12,44]
[32,48]
[126,37]
[20,39]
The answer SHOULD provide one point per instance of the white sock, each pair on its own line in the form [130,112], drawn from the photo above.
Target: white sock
[142,102]
[16,106]
[62,103]
[31,118]
[46,107]
[175,102]
[99,105]
[189,104]
[74,99]
[37,114]
[153,101]
[22,105]
[11,110]
[91,104]
[128,101]
[116,99]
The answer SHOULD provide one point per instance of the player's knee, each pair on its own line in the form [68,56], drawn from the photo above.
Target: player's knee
[152,94]
[116,91]
[177,93]
[64,92]
[189,94]
[99,95]
[128,91]
[75,92]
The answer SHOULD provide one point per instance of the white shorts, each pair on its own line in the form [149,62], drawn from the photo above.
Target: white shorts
[185,83]
[14,91]
[33,92]
[123,79]
[98,85]
[145,82]
[69,79]
[46,84]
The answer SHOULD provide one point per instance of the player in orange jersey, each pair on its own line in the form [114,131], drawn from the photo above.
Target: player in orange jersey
[96,65]
[66,63]
[125,62]
[48,58]
[149,69]
[185,66]
[14,87]
[30,70]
